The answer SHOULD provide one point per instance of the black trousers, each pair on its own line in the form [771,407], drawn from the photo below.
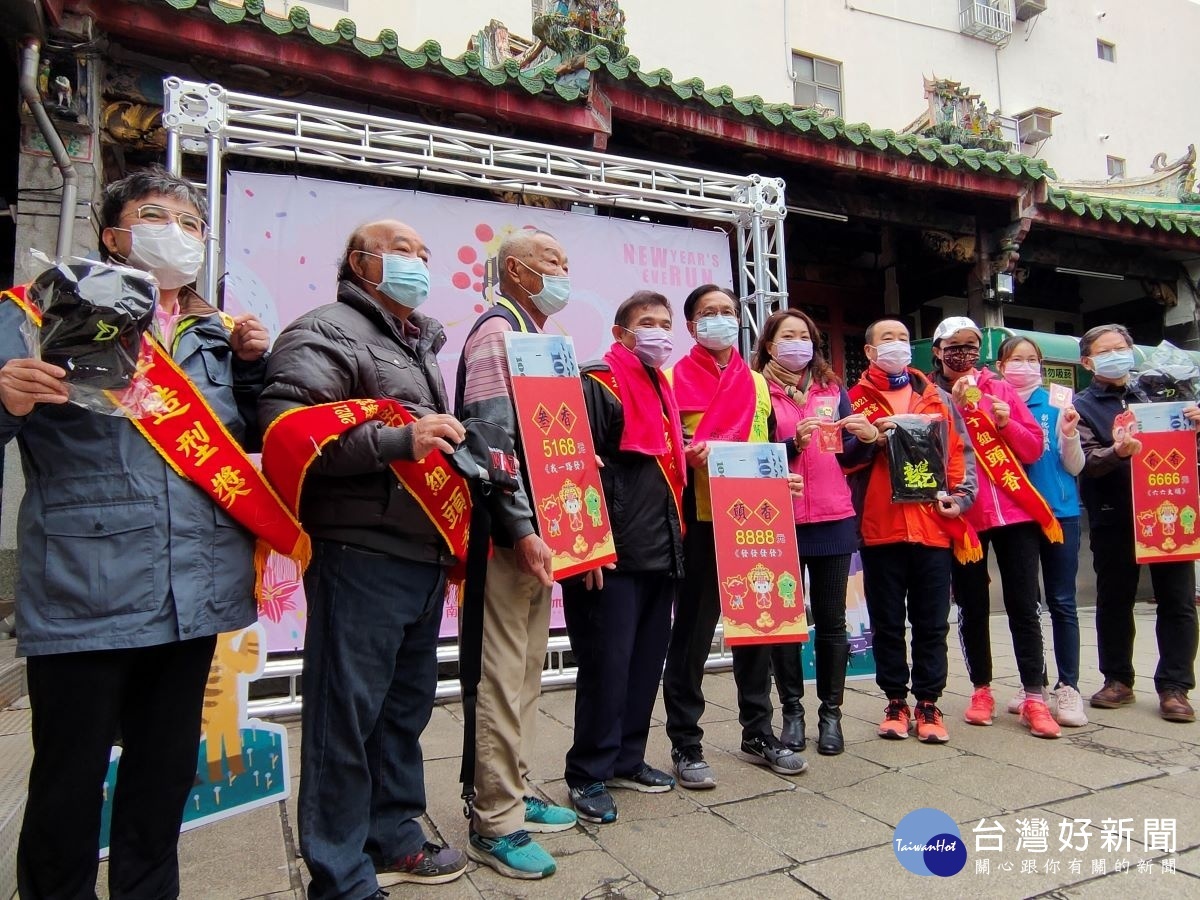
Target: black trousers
[1018,552]
[1175,623]
[912,578]
[697,610]
[153,696]
[827,577]
[619,636]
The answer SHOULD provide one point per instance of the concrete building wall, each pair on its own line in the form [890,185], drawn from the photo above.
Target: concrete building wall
[885,47]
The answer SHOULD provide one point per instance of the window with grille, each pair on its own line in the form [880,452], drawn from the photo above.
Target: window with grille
[1116,167]
[816,81]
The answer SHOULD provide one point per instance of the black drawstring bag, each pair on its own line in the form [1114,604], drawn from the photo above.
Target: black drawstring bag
[93,318]
[916,453]
[487,456]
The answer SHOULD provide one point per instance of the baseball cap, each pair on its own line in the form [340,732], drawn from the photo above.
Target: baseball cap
[955,324]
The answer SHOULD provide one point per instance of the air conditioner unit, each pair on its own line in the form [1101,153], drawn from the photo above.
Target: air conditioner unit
[1035,125]
[1027,9]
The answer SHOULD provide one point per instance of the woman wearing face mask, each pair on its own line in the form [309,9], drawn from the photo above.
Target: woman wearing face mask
[1107,352]
[619,623]
[805,393]
[1009,516]
[1020,363]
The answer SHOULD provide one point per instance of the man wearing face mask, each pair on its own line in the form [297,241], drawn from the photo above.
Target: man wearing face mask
[720,399]
[376,583]
[128,570]
[516,580]
[619,625]
[906,552]
[1107,494]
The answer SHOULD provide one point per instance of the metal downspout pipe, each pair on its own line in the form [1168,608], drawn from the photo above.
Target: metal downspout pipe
[30,53]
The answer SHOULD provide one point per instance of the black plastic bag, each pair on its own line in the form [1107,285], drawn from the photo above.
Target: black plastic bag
[93,318]
[916,452]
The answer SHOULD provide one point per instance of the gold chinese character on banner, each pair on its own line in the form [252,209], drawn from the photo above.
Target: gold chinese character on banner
[454,508]
[1010,481]
[996,456]
[171,406]
[436,479]
[229,485]
[194,443]
[345,414]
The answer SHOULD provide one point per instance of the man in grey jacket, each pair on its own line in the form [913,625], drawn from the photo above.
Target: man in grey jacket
[128,570]
[376,582]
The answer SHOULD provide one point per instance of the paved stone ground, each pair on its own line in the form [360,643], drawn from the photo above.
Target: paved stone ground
[827,833]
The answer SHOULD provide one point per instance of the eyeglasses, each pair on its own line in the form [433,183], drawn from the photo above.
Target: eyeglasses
[713,313]
[190,223]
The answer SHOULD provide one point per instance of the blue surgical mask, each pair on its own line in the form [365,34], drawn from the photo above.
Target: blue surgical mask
[405,279]
[555,292]
[1113,364]
[716,332]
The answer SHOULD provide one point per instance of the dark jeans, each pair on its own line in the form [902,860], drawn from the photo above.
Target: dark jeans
[370,673]
[619,636]
[1060,566]
[697,609]
[1175,624]
[912,578]
[827,577]
[153,697]
[1017,548]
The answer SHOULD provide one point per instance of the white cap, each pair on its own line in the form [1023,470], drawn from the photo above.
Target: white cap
[953,325]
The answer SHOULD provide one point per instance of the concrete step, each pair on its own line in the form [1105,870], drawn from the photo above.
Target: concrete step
[12,674]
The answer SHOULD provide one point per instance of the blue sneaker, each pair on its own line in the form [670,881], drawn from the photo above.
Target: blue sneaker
[545,818]
[515,855]
[594,803]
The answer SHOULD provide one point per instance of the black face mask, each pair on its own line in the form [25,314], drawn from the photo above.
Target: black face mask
[960,359]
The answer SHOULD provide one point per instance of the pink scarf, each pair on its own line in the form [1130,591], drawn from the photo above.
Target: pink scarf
[645,431]
[726,397]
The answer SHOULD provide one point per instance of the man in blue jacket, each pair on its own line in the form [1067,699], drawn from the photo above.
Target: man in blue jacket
[127,570]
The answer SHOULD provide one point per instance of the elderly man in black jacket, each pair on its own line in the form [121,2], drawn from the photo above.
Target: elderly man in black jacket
[376,582]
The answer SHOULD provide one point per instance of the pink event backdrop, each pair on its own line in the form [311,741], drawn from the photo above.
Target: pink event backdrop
[284,237]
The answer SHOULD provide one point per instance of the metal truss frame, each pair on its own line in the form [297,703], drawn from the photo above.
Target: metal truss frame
[205,119]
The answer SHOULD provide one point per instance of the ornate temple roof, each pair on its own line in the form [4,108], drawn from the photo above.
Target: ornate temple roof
[1098,202]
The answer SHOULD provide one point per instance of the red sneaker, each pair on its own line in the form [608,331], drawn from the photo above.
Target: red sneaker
[981,708]
[1035,715]
[930,729]
[896,720]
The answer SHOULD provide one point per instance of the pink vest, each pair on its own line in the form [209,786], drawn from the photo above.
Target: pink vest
[826,496]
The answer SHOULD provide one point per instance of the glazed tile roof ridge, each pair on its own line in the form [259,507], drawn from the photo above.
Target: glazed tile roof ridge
[1184,220]
[543,81]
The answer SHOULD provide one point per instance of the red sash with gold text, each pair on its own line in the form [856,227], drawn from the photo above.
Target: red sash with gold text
[668,463]
[194,442]
[964,541]
[994,457]
[294,440]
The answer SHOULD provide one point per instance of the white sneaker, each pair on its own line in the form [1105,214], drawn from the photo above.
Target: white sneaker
[1014,705]
[1068,707]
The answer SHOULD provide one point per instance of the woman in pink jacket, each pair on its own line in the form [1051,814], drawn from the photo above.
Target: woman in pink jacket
[1009,515]
[804,393]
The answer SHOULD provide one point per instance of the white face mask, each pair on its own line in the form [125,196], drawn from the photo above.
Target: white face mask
[167,252]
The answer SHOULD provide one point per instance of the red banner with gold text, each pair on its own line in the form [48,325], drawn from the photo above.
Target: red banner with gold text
[560,460]
[758,569]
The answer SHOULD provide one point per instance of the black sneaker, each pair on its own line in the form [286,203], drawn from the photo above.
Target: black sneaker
[429,865]
[766,750]
[646,779]
[691,770]
[594,803]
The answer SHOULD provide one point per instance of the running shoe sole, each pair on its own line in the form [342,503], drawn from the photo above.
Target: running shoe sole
[486,859]
[388,879]
[547,828]
[777,769]
[628,784]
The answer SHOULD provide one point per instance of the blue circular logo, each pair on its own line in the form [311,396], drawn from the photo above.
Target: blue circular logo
[927,842]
